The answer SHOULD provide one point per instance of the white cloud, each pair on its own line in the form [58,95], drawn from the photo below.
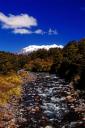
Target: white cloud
[39,31]
[21,24]
[26,31]
[22,31]
[18,21]
[49,32]
[32,48]
[52,32]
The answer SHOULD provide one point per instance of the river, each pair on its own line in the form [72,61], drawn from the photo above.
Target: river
[44,104]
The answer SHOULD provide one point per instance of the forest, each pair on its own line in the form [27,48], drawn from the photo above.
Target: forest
[68,63]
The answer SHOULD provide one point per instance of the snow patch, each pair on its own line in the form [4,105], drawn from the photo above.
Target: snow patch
[32,48]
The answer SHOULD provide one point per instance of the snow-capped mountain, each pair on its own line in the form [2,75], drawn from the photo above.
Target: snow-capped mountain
[32,48]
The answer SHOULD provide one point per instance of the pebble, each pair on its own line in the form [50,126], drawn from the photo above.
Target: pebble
[48,126]
[44,104]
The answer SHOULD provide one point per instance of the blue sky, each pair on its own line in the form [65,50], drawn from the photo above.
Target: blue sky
[37,22]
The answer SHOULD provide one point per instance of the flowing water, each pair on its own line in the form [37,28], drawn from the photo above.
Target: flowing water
[44,104]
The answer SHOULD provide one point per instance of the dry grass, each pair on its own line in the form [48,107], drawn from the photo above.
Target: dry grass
[26,76]
[9,86]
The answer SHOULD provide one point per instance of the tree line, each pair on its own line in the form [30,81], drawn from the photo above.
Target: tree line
[68,62]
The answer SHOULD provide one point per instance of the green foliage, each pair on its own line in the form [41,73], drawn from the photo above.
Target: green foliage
[11,62]
[67,62]
[73,62]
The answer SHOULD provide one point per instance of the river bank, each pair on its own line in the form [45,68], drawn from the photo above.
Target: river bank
[46,102]
[10,95]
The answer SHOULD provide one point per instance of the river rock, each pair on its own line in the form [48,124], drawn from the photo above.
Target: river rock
[47,102]
[70,99]
[48,126]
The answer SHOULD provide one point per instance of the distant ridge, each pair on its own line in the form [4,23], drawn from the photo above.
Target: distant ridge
[32,48]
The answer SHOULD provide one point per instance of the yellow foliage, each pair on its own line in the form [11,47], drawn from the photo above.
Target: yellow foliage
[25,76]
[40,64]
[9,86]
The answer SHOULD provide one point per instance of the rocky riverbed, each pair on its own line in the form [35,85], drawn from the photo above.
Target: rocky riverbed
[46,102]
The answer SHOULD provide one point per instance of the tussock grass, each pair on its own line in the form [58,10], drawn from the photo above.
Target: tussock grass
[10,85]
[26,76]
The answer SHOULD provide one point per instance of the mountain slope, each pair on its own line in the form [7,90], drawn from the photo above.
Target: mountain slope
[32,48]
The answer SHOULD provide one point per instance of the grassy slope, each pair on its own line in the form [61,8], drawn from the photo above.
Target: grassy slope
[9,86]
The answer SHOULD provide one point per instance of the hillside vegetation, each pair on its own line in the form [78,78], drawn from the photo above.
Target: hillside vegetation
[9,87]
[68,62]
